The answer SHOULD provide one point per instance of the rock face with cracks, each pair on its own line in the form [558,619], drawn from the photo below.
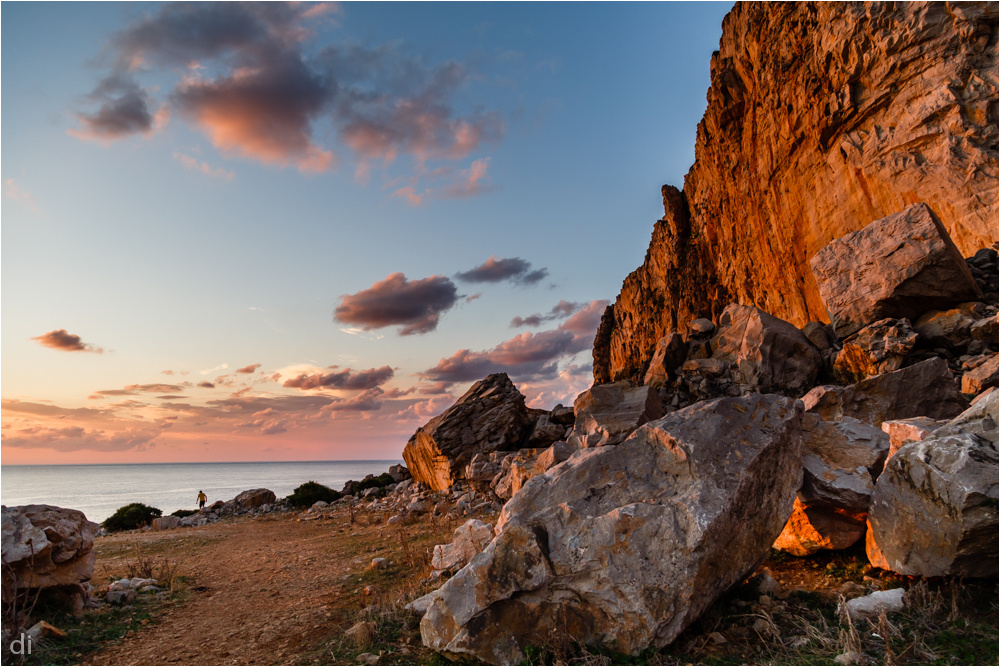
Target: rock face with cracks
[821,118]
[626,545]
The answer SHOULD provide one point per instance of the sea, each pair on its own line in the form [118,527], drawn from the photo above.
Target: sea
[98,490]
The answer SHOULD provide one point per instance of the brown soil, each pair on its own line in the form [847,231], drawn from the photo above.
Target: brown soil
[261,591]
[275,590]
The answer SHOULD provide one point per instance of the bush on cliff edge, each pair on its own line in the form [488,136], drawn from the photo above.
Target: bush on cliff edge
[133,515]
[311,492]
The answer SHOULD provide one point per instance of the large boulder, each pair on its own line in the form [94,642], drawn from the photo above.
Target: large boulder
[927,389]
[254,498]
[625,546]
[934,509]
[764,353]
[901,265]
[841,461]
[881,347]
[490,416]
[47,547]
[606,414]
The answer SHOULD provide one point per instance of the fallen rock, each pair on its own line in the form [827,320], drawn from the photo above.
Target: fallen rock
[880,347]
[606,414]
[898,266]
[50,548]
[399,473]
[490,416]
[981,378]
[891,601]
[934,509]
[484,468]
[840,460]
[546,432]
[254,498]
[670,353]
[627,545]
[924,389]
[904,431]
[165,523]
[986,330]
[949,328]
[819,334]
[515,470]
[764,353]
[470,539]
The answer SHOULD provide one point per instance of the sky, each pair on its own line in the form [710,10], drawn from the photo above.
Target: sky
[299,231]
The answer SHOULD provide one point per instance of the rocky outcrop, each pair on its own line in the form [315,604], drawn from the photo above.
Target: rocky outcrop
[821,118]
[626,545]
[606,414]
[934,509]
[899,266]
[47,547]
[490,416]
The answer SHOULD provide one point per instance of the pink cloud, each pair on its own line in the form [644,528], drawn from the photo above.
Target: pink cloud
[415,305]
[527,355]
[60,339]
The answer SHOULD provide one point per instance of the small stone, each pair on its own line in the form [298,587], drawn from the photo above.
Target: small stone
[891,601]
[377,564]
[367,659]
[849,658]
[717,638]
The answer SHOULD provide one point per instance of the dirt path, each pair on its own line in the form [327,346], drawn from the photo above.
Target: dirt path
[259,591]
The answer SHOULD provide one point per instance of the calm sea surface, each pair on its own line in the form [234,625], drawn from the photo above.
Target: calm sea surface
[99,490]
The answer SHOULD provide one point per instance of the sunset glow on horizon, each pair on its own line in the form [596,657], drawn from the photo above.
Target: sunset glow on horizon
[270,231]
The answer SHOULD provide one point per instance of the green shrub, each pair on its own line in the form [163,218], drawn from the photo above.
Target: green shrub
[134,515]
[311,492]
[183,513]
[380,482]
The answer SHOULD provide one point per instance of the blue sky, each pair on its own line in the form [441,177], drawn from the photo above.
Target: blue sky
[191,192]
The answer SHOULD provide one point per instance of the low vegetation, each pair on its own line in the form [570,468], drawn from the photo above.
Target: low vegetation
[131,516]
[311,492]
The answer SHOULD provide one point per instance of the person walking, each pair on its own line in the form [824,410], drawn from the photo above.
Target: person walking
[202,498]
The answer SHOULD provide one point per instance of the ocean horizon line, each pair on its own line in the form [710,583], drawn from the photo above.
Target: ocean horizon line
[156,463]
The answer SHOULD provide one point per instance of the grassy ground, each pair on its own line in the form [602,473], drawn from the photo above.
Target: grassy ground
[355,609]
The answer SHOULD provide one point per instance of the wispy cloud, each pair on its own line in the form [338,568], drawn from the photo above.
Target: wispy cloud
[497,269]
[193,164]
[342,379]
[559,311]
[525,356]
[12,190]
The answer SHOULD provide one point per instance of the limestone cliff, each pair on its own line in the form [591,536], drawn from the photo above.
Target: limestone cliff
[821,118]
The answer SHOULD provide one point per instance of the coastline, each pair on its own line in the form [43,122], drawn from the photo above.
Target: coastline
[98,490]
